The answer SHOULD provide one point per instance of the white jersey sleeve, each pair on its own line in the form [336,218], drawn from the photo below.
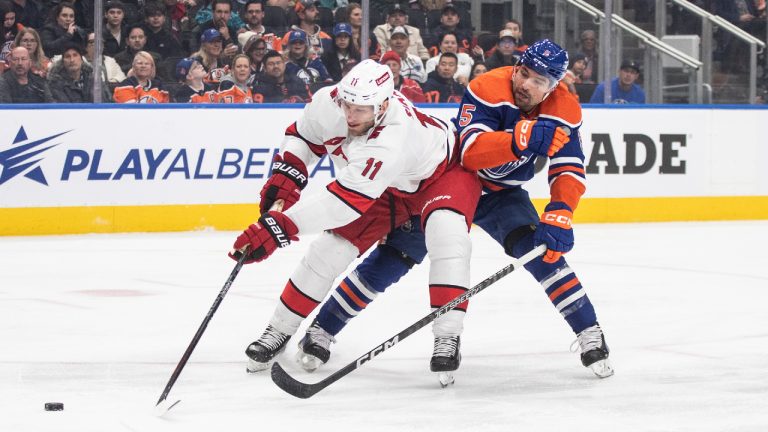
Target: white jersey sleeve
[373,167]
[304,138]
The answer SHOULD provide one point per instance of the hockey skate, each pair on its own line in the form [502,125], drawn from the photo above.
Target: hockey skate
[594,351]
[446,358]
[314,348]
[262,352]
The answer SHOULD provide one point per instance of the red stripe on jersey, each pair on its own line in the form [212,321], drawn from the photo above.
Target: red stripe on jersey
[441,295]
[317,149]
[296,301]
[355,200]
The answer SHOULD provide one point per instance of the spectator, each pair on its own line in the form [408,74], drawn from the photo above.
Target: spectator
[29,39]
[343,51]
[115,32]
[61,30]
[588,40]
[234,87]
[160,39]
[207,11]
[309,15]
[71,79]
[355,20]
[275,86]
[477,70]
[505,52]
[255,49]
[190,72]
[408,87]
[111,71]
[578,62]
[517,33]
[137,41]
[209,56]
[449,44]
[141,85]
[441,87]
[301,63]
[254,16]
[29,13]
[221,21]
[11,25]
[19,84]
[450,22]
[623,89]
[397,19]
[411,65]
[276,15]
[178,21]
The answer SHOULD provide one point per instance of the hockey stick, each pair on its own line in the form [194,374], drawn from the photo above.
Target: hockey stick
[306,390]
[163,405]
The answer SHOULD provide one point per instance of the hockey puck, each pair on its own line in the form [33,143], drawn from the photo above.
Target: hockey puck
[54,406]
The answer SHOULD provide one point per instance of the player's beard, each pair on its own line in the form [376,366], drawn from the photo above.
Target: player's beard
[359,129]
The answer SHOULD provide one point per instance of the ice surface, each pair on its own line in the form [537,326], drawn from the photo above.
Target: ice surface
[99,322]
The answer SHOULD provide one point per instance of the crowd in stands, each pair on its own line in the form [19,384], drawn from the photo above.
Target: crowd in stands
[255,51]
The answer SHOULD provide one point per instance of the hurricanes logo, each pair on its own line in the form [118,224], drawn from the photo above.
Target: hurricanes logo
[22,157]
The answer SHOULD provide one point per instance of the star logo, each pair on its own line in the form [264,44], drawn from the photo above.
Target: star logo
[22,157]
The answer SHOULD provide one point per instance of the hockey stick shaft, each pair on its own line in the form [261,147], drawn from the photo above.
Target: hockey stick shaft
[306,390]
[201,329]
[277,206]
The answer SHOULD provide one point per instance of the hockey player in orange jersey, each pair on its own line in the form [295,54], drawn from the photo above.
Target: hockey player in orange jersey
[508,118]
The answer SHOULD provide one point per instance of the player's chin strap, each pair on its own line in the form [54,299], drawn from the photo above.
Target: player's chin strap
[304,390]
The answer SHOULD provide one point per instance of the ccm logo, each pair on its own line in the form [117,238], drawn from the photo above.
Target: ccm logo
[277,232]
[378,350]
[559,219]
[526,126]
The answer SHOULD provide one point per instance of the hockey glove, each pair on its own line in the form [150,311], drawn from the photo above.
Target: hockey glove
[555,231]
[260,240]
[541,137]
[289,177]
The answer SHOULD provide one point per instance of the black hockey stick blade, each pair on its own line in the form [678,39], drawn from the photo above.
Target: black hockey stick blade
[303,390]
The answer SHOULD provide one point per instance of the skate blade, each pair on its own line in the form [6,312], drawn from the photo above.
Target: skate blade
[308,362]
[445,378]
[602,368]
[256,367]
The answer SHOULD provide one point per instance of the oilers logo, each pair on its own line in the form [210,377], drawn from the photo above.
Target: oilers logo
[24,157]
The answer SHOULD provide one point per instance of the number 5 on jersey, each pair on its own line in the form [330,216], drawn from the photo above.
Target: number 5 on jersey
[465,117]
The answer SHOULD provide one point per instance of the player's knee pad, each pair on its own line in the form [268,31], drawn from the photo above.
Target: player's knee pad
[327,257]
[449,248]
[519,241]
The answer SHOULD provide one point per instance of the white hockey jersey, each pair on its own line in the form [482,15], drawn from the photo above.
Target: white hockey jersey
[403,150]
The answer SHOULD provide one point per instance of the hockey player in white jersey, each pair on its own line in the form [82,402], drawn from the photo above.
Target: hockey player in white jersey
[396,162]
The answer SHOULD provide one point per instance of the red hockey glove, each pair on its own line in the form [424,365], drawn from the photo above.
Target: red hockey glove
[542,137]
[555,231]
[289,177]
[260,240]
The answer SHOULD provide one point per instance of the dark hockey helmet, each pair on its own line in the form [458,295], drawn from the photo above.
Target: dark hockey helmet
[546,58]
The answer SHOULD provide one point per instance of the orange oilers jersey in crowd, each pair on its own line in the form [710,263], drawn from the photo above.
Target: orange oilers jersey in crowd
[403,153]
[130,91]
[231,93]
[486,121]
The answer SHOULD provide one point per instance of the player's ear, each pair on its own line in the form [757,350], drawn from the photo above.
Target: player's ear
[384,105]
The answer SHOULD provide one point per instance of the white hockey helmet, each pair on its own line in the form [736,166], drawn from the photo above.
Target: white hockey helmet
[368,83]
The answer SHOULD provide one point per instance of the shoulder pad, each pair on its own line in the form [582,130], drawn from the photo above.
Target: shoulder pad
[561,106]
[494,87]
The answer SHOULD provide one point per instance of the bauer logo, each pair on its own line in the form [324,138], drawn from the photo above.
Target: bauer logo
[24,157]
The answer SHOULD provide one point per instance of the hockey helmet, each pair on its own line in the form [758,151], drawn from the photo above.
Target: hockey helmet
[547,59]
[368,83]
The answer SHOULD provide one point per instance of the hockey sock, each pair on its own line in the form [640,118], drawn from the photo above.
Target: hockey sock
[561,286]
[381,269]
